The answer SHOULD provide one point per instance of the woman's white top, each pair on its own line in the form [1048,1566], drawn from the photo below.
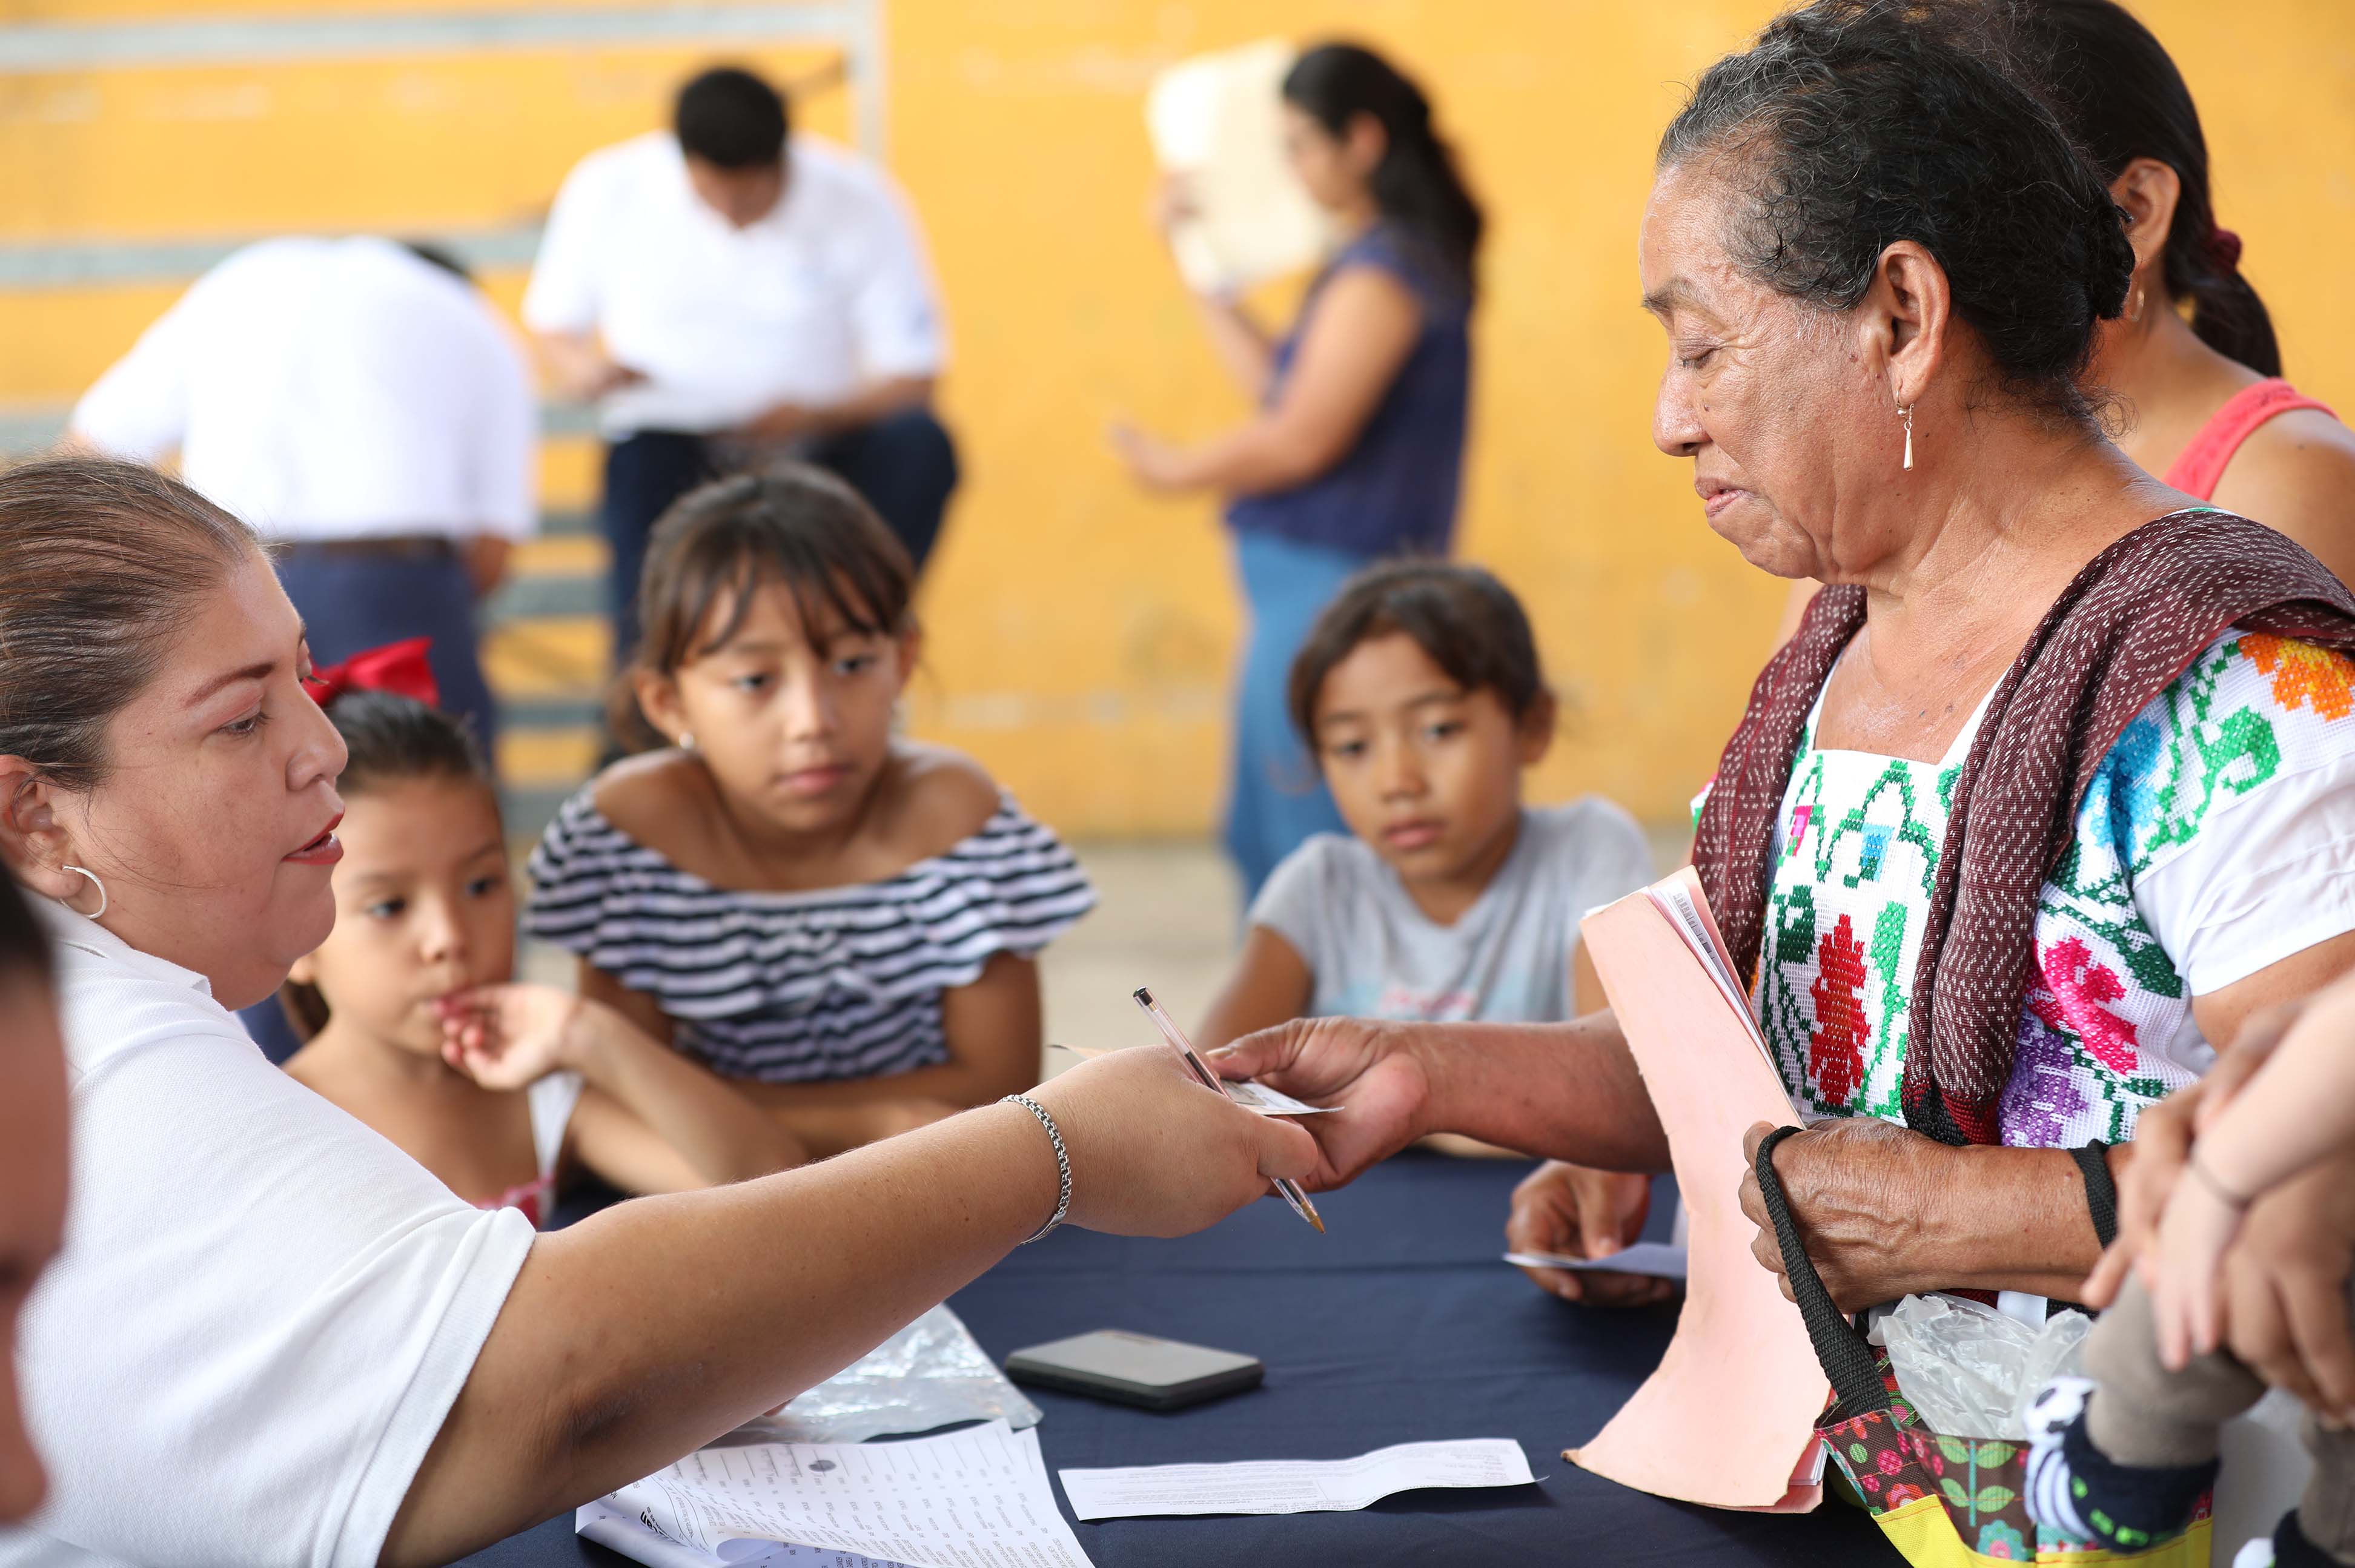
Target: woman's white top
[263,1310]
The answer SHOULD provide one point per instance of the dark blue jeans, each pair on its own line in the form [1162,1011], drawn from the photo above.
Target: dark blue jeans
[904,464]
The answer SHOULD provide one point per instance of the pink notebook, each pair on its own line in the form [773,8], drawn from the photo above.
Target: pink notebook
[1729,1417]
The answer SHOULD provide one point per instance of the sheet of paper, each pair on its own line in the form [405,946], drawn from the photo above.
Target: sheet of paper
[1218,121]
[1248,1093]
[1741,1368]
[973,1499]
[1295,1486]
[1662,1259]
[607,1526]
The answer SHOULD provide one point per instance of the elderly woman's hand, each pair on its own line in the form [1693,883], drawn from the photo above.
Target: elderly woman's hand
[1855,1188]
[1574,1212]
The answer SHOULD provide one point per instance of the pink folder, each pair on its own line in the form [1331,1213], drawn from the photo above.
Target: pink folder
[1729,1417]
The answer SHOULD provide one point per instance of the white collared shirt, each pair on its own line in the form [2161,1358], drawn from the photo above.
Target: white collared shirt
[332,389]
[828,291]
[263,1310]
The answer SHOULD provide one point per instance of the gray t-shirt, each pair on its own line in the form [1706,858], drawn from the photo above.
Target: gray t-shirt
[1506,960]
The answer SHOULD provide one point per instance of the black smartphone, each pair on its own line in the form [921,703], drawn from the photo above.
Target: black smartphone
[1135,1369]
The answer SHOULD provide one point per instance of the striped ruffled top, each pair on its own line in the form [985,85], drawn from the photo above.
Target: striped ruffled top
[793,988]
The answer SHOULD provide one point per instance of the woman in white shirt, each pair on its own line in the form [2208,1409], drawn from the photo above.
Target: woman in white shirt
[311,1352]
[32,1170]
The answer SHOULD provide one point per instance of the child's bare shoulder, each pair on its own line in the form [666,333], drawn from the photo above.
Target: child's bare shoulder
[934,800]
[654,799]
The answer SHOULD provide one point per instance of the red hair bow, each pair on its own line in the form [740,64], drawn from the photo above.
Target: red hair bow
[397,668]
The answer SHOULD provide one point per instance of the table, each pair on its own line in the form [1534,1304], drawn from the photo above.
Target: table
[1399,1325]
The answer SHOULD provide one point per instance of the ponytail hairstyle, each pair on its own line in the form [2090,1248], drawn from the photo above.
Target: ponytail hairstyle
[2120,95]
[1417,184]
[392,740]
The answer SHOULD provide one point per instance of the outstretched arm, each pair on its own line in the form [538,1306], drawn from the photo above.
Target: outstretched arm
[642,1332]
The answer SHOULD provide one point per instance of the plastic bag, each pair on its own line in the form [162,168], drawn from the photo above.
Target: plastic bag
[931,1373]
[1970,1372]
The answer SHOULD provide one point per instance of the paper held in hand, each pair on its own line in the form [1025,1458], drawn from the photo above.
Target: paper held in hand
[1217,121]
[1741,1370]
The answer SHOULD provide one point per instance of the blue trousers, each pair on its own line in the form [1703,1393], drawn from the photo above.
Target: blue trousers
[1276,797]
[904,464]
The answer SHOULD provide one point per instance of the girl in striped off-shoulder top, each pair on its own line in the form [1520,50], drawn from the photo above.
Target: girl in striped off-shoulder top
[844,922]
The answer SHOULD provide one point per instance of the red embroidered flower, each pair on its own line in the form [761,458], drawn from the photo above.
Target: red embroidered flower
[1836,1047]
[2074,988]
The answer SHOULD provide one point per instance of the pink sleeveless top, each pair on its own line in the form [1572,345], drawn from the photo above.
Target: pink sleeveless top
[2200,467]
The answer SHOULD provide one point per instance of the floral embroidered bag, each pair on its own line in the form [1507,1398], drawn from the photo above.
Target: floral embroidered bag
[1942,1501]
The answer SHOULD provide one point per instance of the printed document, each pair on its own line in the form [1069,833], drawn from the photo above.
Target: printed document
[974,1498]
[1295,1485]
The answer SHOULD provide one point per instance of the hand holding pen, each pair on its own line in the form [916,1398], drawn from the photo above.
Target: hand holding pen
[1288,1190]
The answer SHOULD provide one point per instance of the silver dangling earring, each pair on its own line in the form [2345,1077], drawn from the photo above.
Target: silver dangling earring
[686,742]
[2134,306]
[1908,412]
[94,882]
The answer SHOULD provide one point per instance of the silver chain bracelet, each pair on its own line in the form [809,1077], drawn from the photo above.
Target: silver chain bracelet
[1062,1163]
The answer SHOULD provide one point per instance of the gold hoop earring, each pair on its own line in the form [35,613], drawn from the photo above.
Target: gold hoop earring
[1908,412]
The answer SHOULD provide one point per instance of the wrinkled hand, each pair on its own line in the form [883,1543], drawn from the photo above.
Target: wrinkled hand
[1582,1212]
[510,1036]
[1364,1065]
[2162,1145]
[2285,1289]
[1851,1184]
[2184,1271]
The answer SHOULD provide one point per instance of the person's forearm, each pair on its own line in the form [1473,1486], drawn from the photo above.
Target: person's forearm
[875,400]
[976,1082]
[720,1133]
[1563,1091]
[612,1356]
[1254,459]
[2297,1109]
[2012,1219]
[1241,347]
[576,364]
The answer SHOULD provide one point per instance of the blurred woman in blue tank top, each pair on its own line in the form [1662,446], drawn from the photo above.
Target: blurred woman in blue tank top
[1358,447]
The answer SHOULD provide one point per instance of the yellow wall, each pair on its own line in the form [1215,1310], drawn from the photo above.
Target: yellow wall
[1080,632]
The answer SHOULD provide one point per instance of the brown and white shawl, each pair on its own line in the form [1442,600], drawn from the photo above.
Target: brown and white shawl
[2133,620]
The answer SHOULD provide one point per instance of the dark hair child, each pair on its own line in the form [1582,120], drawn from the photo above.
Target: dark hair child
[424,944]
[1419,694]
[844,919]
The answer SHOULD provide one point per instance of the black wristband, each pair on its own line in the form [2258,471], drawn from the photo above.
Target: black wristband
[2101,1192]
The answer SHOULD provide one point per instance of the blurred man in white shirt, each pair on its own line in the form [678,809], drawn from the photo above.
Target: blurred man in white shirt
[725,294]
[358,401]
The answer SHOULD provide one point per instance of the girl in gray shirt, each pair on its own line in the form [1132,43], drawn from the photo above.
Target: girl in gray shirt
[1420,695]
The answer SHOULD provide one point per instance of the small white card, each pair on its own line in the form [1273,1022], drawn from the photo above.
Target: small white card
[1295,1486]
[1662,1259]
[1254,1095]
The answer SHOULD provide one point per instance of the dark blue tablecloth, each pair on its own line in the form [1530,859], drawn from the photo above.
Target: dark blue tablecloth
[1401,1325]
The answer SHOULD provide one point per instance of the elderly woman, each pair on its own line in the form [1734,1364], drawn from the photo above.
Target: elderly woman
[2050,791]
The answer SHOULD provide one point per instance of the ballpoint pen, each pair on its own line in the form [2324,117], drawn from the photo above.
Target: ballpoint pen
[1288,1190]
